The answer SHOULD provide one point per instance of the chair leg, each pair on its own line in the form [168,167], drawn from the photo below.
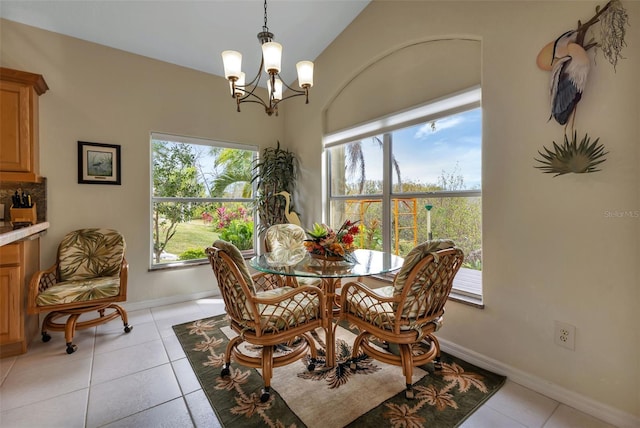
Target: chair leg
[407,368]
[125,319]
[267,372]
[226,368]
[69,332]
[356,348]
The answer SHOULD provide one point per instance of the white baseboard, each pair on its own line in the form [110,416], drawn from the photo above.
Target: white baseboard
[580,402]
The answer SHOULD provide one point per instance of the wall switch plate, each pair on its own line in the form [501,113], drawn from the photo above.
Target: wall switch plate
[565,335]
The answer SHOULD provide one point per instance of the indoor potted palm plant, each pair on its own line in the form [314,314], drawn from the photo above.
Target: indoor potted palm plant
[274,173]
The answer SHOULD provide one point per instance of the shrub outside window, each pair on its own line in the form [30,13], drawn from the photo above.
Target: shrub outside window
[201,191]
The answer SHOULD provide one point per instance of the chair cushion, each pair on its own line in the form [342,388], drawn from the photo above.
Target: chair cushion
[286,244]
[380,314]
[237,258]
[301,308]
[90,253]
[79,291]
[376,312]
[415,255]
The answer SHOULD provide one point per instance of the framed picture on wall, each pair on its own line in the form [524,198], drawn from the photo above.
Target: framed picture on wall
[98,163]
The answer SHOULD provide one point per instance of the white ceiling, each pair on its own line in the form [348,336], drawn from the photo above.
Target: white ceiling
[193,33]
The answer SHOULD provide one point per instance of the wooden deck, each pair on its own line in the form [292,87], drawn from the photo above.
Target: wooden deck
[468,282]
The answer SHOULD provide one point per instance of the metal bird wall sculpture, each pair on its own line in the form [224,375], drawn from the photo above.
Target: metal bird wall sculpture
[569,72]
[569,63]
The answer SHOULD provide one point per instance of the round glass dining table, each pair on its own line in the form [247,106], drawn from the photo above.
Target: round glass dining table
[296,264]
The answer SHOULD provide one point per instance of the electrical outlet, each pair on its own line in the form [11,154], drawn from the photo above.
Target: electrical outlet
[565,335]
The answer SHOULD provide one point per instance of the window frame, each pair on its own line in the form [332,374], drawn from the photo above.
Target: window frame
[466,100]
[174,138]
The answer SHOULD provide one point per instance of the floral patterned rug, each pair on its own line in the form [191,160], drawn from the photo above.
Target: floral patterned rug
[370,396]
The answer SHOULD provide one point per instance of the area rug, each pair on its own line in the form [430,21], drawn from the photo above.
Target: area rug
[371,396]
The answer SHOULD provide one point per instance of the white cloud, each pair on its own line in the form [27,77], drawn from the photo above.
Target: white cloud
[440,125]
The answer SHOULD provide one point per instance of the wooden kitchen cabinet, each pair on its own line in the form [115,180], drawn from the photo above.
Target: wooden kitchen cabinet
[18,262]
[19,145]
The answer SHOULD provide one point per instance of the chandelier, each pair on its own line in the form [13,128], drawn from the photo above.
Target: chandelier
[271,59]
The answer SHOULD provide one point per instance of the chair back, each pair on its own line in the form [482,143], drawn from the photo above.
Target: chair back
[90,253]
[424,282]
[234,279]
[287,236]
[285,243]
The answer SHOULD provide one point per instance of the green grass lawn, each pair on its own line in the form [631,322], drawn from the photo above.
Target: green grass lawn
[191,236]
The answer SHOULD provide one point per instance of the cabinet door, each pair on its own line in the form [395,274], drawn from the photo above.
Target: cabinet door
[15,133]
[10,305]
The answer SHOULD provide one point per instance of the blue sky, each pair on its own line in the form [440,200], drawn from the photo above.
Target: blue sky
[423,152]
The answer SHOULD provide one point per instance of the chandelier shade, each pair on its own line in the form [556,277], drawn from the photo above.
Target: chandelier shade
[271,63]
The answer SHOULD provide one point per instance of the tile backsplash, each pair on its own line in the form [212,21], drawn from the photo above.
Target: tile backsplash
[38,192]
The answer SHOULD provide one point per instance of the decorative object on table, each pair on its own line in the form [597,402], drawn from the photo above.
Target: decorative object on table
[90,274]
[274,173]
[572,157]
[264,319]
[99,163]
[341,397]
[327,244]
[271,60]
[407,313]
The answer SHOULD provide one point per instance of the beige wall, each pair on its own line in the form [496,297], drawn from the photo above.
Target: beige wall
[550,251]
[104,95]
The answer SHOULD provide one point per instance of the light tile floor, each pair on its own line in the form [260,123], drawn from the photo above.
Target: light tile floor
[143,379]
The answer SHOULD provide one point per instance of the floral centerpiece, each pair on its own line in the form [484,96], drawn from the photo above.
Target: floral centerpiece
[325,243]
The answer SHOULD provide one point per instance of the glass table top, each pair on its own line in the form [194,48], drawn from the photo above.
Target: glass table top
[365,263]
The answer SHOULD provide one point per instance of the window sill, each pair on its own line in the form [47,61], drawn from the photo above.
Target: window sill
[467,287]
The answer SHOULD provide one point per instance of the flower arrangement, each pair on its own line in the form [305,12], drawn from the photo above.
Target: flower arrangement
[327,243]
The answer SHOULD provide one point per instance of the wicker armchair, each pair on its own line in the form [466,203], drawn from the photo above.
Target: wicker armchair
[406,313]
[90,275]
[265,318]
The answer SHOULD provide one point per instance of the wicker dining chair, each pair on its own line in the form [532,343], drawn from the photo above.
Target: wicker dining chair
[406,313]
[265,318]
[90,275]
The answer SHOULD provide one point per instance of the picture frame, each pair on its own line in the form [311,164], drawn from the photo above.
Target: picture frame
[99,163]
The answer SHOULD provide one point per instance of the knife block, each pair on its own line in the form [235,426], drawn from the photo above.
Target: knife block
[24,215]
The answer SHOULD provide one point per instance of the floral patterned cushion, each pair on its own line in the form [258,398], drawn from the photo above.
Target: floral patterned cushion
[90,253]
[237,258]
[79,291]
[300,308]
[286,244]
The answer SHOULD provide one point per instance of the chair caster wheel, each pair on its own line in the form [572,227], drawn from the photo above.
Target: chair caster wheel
[265,396]
[128,328]
[225,371]
[71,348]
[311,367]
[46,337]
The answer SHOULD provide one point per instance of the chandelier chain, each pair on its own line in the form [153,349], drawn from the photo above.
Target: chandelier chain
[265,28]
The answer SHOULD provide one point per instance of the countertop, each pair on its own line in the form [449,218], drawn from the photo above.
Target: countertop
[8,235]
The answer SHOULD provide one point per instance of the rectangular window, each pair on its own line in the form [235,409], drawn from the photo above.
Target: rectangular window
[410,177]
[201,191]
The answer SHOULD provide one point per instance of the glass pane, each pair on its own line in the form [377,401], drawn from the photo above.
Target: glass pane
[182,231]
[356,168]
[458,219]
[444,154]
[369,215]
[199,171]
